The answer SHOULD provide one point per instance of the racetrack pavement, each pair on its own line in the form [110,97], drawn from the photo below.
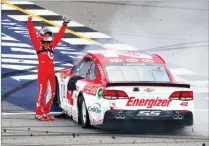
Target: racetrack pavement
[169,29]
[25,130]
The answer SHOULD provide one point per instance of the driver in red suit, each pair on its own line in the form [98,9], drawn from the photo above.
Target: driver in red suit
[44,45]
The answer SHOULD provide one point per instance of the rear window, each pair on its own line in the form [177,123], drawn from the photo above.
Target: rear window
[136,72]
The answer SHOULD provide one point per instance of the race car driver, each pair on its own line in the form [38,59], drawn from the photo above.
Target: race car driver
[44,45]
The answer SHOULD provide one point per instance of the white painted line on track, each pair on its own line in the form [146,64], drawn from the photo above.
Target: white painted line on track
[66,52]
[65,48]
[25,77]
[22,17]
[15,44]
[19,61]
[5,7]
[24,67]
[19,56]
[77,41]
[20,2]
[23,50]
[41,12]
[19,28]
[8,38]
[5,24]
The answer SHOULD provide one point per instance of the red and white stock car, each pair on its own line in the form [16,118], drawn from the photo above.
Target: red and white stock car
[104,88]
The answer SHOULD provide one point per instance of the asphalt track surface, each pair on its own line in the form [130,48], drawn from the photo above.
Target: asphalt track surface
[174,30]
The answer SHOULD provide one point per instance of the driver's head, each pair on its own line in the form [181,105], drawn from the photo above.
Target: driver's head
[45,35]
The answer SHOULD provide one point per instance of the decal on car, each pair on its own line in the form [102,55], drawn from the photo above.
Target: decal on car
[147,60]
[99,93]
[149,113]
[94,122]
[116,60]
[133,64]
[131,60]
[91,89]
[149,103]
[149,90]
[112,103]
[102,72]
[184,104]
[70,97]
[96,108]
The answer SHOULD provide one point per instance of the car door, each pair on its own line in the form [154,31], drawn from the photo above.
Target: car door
[92,85]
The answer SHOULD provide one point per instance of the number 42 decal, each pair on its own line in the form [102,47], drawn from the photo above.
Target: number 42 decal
[184,104]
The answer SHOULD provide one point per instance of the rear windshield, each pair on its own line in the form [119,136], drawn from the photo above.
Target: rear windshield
[136,72]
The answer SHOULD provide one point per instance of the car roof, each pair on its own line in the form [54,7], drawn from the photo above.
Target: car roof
[110,58]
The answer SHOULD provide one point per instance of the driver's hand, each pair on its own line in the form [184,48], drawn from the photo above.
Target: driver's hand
[65,20]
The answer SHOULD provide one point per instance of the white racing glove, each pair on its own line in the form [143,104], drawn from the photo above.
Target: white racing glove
[65,20]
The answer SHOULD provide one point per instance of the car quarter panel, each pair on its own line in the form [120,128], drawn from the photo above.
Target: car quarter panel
[92,96]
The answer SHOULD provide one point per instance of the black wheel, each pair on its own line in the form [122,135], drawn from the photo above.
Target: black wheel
[84,116]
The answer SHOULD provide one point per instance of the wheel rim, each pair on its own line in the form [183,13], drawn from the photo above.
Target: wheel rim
[84,112]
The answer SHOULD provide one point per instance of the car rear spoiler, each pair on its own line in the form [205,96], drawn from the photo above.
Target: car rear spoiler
[147,84]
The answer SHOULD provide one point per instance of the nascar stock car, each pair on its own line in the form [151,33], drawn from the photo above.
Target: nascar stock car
[103,88]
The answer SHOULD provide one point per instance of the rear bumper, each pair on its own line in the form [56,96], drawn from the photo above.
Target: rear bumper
[183,118]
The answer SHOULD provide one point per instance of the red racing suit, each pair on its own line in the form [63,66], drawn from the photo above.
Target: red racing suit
[45,68]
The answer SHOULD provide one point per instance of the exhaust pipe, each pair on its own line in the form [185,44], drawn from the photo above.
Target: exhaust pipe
[178,116]
[122,116]
[181,117]
[117,116]
[175,117]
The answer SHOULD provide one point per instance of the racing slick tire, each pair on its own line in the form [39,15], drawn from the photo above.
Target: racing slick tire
[83,112]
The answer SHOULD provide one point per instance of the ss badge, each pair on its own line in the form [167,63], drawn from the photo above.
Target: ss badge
[149,113]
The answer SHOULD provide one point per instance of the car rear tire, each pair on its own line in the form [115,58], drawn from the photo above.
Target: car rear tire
[85,122]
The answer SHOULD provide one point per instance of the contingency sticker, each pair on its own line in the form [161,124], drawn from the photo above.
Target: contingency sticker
[99,93]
